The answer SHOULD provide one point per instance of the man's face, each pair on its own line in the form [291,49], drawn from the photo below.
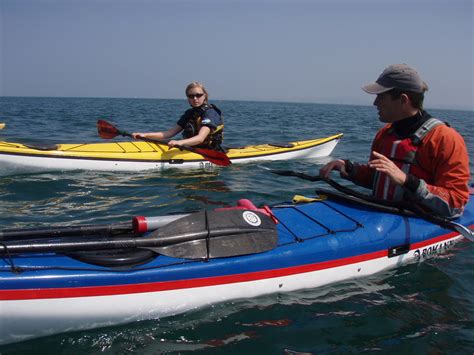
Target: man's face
[389,109]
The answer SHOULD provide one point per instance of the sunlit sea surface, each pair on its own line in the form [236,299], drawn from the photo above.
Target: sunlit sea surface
[416,309]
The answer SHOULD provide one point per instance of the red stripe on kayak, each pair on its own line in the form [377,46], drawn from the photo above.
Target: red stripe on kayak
[25,294]
[434,240]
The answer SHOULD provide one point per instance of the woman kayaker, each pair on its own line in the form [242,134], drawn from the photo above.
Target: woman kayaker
[202,125]
[415,157]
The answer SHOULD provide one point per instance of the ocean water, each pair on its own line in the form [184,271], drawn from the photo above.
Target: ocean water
[419,308]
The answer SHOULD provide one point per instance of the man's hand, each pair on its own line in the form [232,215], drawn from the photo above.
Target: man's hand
[333,165]
[384,165]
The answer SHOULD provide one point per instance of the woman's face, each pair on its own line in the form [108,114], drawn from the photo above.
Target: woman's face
[196,97]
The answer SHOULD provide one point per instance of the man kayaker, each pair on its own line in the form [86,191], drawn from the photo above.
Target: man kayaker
[202,125]
[414,157]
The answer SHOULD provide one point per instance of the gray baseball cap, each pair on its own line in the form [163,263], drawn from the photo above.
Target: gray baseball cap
[397,76]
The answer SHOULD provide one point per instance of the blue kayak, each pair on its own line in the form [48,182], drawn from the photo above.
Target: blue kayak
[58,282]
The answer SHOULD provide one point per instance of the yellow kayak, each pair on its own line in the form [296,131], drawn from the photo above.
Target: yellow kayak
[19,158]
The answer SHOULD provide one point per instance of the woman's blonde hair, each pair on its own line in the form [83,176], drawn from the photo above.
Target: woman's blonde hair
[196,84]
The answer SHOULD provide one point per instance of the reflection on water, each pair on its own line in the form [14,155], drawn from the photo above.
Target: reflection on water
[87,196]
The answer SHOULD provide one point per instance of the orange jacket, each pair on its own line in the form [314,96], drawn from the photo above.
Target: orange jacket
[443,156]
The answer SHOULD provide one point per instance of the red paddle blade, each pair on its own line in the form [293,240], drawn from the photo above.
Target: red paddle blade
[213,156]
[106,130]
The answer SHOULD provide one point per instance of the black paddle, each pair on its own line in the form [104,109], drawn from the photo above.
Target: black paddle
[294,173]
[107,131]
[138,225]
[64,231]
[208,234]
[443,222]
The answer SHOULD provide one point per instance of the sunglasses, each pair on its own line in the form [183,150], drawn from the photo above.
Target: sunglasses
[193,96]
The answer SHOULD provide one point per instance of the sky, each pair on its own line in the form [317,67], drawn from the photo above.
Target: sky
[319,51]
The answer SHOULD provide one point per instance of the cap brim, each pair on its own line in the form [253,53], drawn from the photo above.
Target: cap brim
[375,88]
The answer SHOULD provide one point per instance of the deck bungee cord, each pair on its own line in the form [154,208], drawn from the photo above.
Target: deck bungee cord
[400,207]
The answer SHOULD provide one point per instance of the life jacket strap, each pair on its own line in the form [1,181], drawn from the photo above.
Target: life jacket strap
[424,129]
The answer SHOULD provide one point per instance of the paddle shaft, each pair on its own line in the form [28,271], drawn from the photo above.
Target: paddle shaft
[64,231]
[215,157]
[107,131]
[83,244]
[138,225]
[156,140]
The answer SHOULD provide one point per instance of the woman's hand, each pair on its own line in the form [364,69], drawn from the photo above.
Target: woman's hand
[196,140]
[174,143]
[138,135]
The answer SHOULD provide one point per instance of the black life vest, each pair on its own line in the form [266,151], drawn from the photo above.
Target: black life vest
[194,124]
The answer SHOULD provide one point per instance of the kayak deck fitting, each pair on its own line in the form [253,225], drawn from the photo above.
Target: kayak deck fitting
[17,158]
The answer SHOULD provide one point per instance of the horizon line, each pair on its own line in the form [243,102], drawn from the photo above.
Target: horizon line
[435,107]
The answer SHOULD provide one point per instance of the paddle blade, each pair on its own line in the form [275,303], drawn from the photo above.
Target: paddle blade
[213,156]
[106,130]
[221,247]
[216,234]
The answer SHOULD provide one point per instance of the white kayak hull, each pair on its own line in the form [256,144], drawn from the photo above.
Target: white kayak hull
[51,316]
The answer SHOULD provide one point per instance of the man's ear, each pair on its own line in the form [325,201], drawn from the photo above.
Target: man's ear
[405,99]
